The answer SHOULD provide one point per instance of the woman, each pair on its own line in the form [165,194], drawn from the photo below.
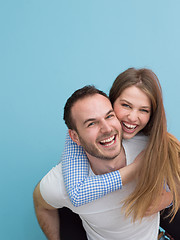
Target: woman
[137,101]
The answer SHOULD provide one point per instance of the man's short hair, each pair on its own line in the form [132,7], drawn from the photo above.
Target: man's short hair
[81,93]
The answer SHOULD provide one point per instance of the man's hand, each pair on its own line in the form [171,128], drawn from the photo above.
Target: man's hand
[47,216]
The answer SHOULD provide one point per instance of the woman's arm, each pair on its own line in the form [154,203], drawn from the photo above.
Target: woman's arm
[165,200]
[80,187]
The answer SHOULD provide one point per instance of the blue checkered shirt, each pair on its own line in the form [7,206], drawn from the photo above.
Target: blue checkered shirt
[81,187]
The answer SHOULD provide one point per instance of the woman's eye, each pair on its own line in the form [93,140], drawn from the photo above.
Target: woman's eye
[144,110]
[125,105]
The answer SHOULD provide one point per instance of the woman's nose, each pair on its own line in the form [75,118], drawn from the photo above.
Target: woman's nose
[133,116]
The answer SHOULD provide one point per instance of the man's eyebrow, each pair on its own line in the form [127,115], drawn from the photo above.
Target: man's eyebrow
[110,111]
[94,119]
[89,120]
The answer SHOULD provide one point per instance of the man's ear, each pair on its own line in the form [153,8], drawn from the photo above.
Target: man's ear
[74,136]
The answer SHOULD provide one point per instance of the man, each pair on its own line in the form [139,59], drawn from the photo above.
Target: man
[93,125]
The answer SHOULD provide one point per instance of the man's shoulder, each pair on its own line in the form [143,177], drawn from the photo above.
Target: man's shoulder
[52,187]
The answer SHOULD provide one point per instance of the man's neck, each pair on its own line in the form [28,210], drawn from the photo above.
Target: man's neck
[101,166]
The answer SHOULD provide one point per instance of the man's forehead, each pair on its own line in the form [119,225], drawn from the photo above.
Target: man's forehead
[92,106]
[93,99]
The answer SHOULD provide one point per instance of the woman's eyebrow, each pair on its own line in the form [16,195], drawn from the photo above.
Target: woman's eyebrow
[124,100]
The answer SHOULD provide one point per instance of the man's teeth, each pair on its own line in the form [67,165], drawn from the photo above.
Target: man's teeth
[130,126]
[108,141]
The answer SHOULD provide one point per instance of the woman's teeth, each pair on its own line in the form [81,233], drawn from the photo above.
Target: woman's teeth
[129,126]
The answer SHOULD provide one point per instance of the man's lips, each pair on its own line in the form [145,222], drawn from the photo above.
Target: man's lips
[108,141]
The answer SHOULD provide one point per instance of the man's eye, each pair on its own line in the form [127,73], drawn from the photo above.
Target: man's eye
[91,124]
[110,116]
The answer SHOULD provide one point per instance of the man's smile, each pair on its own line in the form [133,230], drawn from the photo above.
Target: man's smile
[108,141]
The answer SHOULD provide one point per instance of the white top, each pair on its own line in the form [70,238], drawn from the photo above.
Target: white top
[102,218]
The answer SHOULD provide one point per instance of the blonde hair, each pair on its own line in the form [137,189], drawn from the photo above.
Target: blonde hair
[161,161]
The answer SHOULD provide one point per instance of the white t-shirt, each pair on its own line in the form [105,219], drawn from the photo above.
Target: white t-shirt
[103,218]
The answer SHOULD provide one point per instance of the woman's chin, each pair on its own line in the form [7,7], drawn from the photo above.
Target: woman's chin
[128,135]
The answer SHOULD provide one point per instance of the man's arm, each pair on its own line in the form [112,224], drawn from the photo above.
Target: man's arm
[47,216]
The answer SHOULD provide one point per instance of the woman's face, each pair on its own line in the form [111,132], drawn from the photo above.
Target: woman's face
[133,109]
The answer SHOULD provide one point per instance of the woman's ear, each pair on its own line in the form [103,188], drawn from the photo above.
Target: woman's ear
[74,136]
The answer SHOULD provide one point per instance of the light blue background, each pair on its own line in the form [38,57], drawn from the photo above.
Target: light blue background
[47,50]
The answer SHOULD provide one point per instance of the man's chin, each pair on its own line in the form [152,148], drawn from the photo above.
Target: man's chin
[108,156]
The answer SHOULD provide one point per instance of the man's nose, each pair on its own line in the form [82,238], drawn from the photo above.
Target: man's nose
[105,127]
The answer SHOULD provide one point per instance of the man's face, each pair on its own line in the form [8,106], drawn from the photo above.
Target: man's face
[98,129]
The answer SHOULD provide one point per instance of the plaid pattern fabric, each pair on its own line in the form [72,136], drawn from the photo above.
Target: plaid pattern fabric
[81,188]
